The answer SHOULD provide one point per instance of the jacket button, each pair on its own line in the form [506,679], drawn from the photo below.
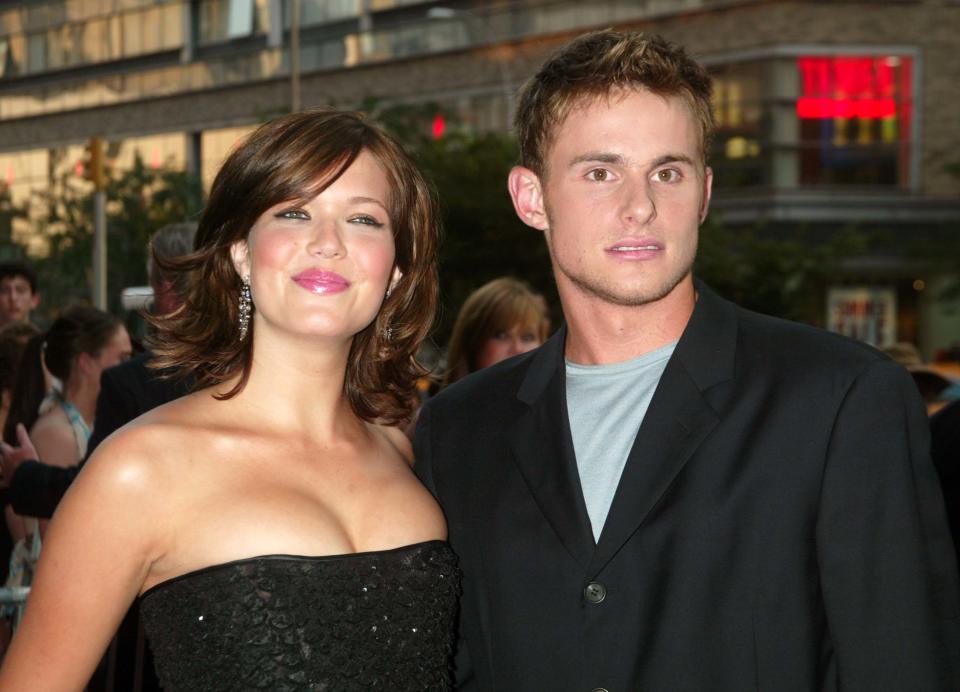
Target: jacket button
[594,593]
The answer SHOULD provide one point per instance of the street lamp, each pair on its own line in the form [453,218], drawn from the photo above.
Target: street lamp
[469,22]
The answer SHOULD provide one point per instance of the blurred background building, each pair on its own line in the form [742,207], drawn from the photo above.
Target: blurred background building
[833,115]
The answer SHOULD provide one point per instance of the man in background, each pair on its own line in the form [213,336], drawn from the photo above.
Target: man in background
[18,293]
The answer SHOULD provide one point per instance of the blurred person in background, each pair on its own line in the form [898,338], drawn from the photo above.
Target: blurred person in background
[80,344]
[18,293]
[13,341]
[126,391]
[502,318]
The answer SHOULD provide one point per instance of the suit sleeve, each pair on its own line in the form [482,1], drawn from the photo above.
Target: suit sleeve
[114,405]
[36,488]
[887,566]
[421,450]
[423,466]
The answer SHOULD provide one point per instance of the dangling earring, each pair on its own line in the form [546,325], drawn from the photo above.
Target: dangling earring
[244,306]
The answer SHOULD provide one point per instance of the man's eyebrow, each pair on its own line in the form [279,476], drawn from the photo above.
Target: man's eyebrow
[673,158]
[597,157]
[617,159]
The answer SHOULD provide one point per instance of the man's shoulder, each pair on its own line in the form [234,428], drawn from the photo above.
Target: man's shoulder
[490,385]
[786,343]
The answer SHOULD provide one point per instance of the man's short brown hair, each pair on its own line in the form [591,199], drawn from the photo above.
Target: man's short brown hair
[596,65]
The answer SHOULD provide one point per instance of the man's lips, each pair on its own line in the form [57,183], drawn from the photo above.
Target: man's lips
[321,282]
[635,249]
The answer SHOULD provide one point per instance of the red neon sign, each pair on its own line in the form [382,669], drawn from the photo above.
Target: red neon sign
[848,87]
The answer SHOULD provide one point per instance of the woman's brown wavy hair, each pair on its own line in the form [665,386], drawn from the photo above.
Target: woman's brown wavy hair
[295,158]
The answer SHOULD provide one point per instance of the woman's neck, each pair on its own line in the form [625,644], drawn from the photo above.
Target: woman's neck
[83,396]
[298,386]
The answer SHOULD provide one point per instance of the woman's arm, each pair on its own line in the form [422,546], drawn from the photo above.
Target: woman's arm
[96,555]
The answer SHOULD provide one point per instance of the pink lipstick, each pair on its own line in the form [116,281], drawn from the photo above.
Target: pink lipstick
[320,282]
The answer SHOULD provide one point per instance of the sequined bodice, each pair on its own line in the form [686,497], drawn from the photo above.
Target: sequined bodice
[367,621]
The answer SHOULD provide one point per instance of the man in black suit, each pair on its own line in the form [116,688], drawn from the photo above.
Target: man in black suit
[674,493]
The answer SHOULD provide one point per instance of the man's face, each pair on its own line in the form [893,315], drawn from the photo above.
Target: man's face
[622,197]
[16,300]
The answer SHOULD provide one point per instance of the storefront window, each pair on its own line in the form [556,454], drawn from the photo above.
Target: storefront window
[814,121]
[855,120]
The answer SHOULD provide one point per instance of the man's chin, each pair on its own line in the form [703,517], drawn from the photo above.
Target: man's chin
[634,295]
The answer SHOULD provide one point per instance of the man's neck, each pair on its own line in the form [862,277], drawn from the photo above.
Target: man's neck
[599,332]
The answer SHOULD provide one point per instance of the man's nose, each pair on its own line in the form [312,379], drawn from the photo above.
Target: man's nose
[638,201]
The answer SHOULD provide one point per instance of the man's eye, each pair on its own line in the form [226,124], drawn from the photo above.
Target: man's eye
[668,175]
[599,175]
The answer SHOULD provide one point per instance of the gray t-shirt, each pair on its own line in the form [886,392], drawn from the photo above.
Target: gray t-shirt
[606,404]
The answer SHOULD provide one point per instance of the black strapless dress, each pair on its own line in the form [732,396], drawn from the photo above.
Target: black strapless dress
[381,620]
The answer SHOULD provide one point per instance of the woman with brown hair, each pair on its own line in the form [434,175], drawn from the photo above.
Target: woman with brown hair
[270,520]
[502,318]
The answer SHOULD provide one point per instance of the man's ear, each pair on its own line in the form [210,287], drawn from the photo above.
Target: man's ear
[526,192]
[240,255]
[707,189]
[35,300]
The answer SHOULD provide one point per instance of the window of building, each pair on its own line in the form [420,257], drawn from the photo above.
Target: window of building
[225,20]
[855,117]
[812,121]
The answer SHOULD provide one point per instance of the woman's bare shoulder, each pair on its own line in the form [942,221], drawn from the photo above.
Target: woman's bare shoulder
[397,440]
[55,439]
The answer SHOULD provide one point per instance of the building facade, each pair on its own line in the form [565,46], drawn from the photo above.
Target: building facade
[831,113]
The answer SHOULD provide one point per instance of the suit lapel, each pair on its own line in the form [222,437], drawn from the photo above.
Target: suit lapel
[676,423]
[543,450]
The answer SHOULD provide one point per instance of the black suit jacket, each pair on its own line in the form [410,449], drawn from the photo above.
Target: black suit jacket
[127,390]
[778,525]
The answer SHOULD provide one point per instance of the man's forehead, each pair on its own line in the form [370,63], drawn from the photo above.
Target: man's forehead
[14,280]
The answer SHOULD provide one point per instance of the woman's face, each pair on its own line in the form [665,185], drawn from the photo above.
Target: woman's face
[322,267]
[114,352]
[505,343]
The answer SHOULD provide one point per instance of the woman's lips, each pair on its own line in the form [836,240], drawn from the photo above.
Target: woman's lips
[321,282]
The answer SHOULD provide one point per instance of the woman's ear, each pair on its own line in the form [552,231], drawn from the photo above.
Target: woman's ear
[394,280]
[240,255]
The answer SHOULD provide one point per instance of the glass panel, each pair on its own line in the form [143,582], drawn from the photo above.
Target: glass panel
[132,41]
[215,146]
[855,118]
[322,11]
[740,154]
[36,53]
[152,29]
[95,41]
[171,31]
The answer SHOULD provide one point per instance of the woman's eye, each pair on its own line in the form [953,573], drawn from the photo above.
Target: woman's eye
[668,175]
[293,214]
[501,335]
[528,338]
[598,175]
[366,220]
